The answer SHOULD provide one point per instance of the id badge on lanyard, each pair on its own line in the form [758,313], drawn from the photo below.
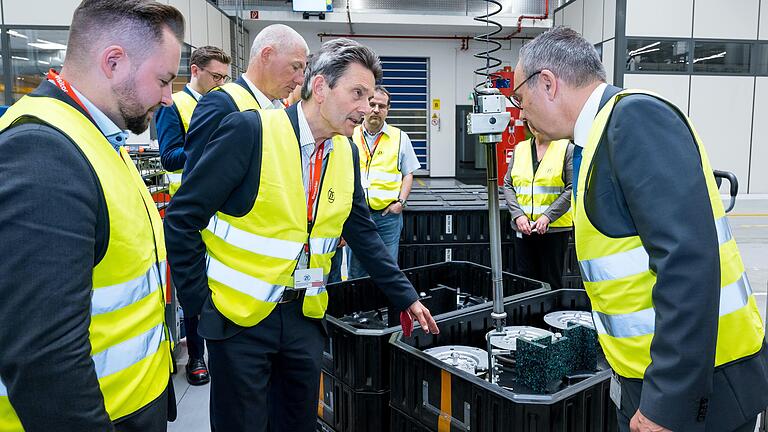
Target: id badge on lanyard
[311,277]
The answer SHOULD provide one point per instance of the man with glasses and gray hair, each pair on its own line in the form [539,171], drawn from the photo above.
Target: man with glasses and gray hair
[271,195]
[209,67]
[674,312]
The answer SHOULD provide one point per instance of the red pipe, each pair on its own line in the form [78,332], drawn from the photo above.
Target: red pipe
[533,17]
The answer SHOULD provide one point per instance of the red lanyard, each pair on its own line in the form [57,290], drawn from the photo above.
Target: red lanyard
[315,171]
[368,153]
[66,88]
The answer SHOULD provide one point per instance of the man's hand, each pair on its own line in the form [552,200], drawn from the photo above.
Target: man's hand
[342,242]
[542,224]
[523,224]
[394,208]
[422,315]
[641,423]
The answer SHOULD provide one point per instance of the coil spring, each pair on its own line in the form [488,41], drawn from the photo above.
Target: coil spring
[492,46]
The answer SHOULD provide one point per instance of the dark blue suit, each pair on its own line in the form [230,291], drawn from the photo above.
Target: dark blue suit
[647,181]
[278,360]
[171,136]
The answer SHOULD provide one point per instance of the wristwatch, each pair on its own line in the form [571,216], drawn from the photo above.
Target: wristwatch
[401,201]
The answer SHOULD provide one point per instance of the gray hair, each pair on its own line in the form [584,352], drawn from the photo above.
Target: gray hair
[564,52]
[334,58]
[278,36]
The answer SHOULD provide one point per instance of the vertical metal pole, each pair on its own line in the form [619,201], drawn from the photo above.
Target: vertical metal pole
[494,226]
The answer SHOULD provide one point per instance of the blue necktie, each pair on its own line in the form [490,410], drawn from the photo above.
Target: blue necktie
[576,166]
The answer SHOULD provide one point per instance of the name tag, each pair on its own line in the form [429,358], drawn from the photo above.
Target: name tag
[615,391]
[308,278]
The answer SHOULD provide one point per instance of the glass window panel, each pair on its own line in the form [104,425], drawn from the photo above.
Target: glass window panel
[184,75]
[33,53]
[721,57]
[653,55]
[761,59]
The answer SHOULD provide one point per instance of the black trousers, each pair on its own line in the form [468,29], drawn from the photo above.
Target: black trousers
[151,418]
[195,342]
[267,377]
[541,257]
[631,391]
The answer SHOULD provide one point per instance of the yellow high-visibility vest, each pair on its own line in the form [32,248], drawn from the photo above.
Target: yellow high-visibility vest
[130,344]
[536,192]
[620,283]
[379,173]
[252,258]
[185,104]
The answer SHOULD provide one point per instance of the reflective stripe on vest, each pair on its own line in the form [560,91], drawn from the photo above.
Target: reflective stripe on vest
[620,283]
[536,192]
[130,349]
[252,258]
[381,176]
[185,104]
[111,298]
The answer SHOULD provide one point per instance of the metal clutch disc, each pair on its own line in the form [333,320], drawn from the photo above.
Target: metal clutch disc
[561,319]
[508,341]
[469,359]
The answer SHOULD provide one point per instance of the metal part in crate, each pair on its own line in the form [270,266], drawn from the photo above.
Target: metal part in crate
[152,172]
[441,397]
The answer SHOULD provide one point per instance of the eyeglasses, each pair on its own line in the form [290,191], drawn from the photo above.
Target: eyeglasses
[216,76]
[516,101]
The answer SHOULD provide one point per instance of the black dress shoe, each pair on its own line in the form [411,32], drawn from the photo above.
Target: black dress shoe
[197,372]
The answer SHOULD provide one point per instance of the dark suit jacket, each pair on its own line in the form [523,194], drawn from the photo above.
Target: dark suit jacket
[208,114]
[226,179]
[648,181]
[170,136]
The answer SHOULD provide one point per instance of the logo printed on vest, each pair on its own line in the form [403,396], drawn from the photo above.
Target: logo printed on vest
[331,196]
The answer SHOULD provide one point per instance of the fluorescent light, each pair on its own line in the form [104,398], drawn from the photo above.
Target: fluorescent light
[43,62]
[14,33]
[45,45]
[719,55]
[20,58]
[641,49]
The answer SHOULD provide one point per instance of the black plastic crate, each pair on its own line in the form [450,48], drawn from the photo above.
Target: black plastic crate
[412,255]
[346,410]
[573,282]
[360,357]
[400,422]
[571,267]
[433,392]
[450,222]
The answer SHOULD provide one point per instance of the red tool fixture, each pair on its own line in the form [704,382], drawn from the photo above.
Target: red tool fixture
[515,132]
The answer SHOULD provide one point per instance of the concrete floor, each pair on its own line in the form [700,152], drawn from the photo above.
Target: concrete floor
[749,223]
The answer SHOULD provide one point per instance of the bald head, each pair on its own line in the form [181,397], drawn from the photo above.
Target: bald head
[280,37]
[278,59]
[137,26]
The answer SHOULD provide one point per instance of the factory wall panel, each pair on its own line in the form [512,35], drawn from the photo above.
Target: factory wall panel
[758,177]
[44,12]
[608,57]
[183,7]
[558,18]
[763,24]
[593,20]
[198,23]
[672,87]
[735,19]
[609,19]
[226,35]
[659,18]
[214,26]
[724,124]
[573,15]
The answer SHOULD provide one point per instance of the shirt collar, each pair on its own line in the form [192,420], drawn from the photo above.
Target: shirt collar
[587,116]
[261,98]
[305,133]
[114,134]
[384,130]
[195,94]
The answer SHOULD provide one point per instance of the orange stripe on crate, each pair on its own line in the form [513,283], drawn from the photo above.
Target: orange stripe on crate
[320,400]
[444,421]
